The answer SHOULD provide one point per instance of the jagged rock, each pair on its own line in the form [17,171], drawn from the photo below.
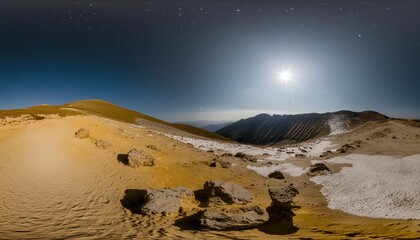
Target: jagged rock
[218,161]
[344,148]
[102,144]
[234,218]
[137,158]
[245,157]
[276,174]
[169,200]
[213,164]
[326,153]
[225,164]
[82,133]
[153,147]
[221,193]
[240,155]
[319,168]
[282,202]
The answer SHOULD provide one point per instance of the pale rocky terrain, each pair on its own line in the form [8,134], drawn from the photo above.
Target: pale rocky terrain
[55,185]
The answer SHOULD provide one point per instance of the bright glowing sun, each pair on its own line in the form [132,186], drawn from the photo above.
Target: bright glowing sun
[285,76]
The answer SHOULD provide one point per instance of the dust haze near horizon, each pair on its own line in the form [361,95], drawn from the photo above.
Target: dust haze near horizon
[213,60]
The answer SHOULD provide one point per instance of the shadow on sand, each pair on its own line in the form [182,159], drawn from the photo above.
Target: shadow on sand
[133,199]
[123,158]
[276,227]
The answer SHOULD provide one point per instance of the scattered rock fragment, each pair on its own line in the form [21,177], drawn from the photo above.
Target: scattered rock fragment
[245,157]
[153,147]
[276,174]
[234,218]
[344,148]
[213,164]
[222,193]
[82,133]
[103,144]
[217,161]
[326,154]
[300,155]
[319,168]
[169,200]
[225,164]
[137,158]
[240,155]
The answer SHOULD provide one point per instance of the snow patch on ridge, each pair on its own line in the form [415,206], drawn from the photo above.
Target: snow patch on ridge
[375,186]
[338,125]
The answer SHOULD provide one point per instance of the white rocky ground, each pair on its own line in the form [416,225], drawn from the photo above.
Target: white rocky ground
[375,186]
[267,153]
[288,168]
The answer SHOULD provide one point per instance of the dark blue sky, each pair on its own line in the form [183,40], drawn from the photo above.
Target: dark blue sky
[213,60]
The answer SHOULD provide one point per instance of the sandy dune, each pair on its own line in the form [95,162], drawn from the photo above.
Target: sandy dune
[56,186]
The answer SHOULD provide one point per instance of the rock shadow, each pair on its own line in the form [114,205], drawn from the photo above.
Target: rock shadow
[278,227]
[201,196]
[190,222]
[133,200]
[123,158]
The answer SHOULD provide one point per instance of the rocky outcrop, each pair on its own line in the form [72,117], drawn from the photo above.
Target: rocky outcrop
[137,158]
[245,157]
[282,203]
[221,193]
[169,200]
[319,168]
[102,144]
[276,174]
[346,147]
[82,133]
[326,154]
[233,218]
[219,162]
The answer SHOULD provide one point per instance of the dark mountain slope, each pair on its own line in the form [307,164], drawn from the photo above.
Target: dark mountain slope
[266,129]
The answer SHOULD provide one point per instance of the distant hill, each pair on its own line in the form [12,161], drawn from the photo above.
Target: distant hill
[266,129]
[106,110]
[211,126]
[204,123]
[216,127]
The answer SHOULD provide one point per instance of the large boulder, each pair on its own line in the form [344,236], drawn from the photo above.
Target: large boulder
[103,144]
[221,193]
[282,202]
[137,158]
[82,133]
[169,200]
[233,218]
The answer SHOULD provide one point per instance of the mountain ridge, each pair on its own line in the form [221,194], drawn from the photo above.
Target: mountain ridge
[265,129]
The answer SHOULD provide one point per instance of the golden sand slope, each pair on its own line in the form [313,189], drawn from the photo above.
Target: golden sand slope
[53,185]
